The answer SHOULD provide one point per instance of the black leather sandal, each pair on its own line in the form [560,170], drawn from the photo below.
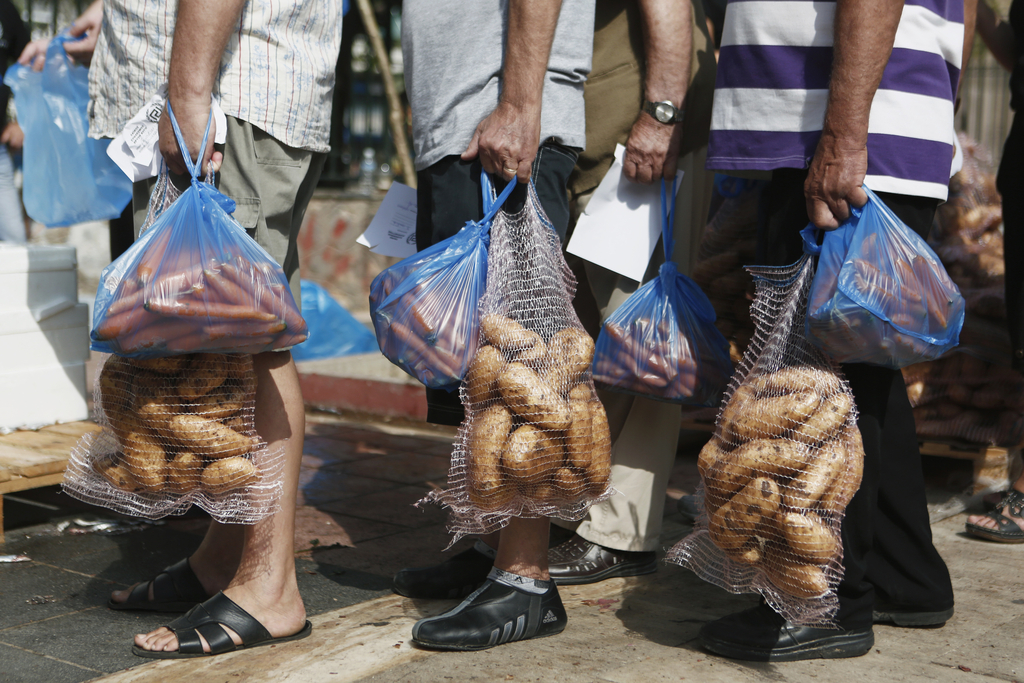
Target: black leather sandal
[208,619]
[1007,531]
[175,589]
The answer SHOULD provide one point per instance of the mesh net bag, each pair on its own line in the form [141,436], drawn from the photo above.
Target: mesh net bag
[535,441]
[177,431]
[785,459]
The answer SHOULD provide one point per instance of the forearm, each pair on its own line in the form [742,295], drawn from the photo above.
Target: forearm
[997,34]
[864,34]
[668,39]
[201,34]
[531,30]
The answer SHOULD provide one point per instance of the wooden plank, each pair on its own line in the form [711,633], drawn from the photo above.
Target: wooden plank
[73,429]
[25,463]
[962,451]
[26,483]
[39,442]
[5,474]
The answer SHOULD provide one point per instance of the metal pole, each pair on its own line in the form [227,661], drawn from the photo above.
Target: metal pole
[394,104]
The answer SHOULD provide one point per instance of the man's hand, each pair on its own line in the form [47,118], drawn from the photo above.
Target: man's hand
[507,141]
[12,136]
[81,51]
[652,150]
[834,181]
[191,118]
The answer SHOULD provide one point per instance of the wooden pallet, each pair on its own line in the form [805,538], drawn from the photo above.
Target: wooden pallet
[31,459]
[991,463]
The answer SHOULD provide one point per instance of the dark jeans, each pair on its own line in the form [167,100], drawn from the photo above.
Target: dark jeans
[448,195]
[887,540]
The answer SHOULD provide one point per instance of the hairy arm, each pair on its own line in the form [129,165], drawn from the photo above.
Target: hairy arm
[89,23]
[507,140]
[201,33]
[864,34]
[997,34]
[652,150]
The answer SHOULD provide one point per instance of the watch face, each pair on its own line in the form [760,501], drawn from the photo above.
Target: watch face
[664,112]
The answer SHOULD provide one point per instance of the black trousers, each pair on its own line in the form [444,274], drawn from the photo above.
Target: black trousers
[448,195]
[889,557]
[1010,183]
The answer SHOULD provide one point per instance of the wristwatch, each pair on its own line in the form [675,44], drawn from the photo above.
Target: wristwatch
[664,112]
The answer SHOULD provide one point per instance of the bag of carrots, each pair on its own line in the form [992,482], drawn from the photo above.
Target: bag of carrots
[425,308]
[662,342]
[194,282]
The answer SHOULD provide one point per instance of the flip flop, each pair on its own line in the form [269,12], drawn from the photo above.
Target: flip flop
[175,589]
[207,619]
[1008,531]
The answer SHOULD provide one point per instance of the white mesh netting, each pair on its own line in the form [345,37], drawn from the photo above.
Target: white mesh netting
[177,431]
[785,459]
[535,441]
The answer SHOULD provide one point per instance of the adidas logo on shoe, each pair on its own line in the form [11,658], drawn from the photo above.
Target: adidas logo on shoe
[549,617]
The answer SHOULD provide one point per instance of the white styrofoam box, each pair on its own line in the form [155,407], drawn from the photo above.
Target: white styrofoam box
[60,337]
[36,397]
[37,276]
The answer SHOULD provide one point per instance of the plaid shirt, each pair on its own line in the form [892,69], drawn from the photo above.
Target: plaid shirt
[277,72]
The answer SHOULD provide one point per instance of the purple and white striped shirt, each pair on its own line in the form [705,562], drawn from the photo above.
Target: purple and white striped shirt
[772,89]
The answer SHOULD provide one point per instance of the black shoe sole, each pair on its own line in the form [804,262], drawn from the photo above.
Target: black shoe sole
[618,571]
[913,619]
[476,648]
[839,646]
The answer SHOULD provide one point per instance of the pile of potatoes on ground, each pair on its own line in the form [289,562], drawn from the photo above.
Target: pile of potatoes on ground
[536,427]
[180,423]
[779,472]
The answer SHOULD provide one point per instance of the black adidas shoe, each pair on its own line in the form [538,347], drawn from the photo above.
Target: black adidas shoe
[457,577]
[494,614]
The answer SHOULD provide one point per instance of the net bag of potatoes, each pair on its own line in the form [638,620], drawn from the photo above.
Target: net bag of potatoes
[880,295]
[177,431]
[785,459]
[194,281]
[662,342]
[425,309]
[535,440]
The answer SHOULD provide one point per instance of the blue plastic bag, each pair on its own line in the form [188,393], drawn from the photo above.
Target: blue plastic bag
[425,308]
[194,281]
[880,294]
[68,176]
[333,331]
[662,342]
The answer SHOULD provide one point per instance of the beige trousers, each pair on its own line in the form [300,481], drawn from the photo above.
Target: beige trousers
[644,433]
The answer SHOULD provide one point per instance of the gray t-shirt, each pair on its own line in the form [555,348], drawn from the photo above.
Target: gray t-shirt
[453,56]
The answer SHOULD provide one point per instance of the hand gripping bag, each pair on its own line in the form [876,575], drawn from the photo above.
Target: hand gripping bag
[785,459]
[880,295]
[662,342]
[68,177]
[425,308]
[535,441]
[194,282]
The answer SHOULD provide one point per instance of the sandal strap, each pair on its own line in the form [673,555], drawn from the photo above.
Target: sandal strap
[207,619]
[1014,500]
[178,583]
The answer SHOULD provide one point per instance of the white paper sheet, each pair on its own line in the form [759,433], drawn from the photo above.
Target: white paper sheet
[620,227]
[136,148]
[392,232]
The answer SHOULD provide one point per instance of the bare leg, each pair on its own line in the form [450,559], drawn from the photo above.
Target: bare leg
[264,584]
[523,548]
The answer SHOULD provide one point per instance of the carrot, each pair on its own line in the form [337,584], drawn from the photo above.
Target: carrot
[152,257]
[423,326]
[228,291]
[125,303]
[222,330]
[156,334]
[420,349]
[209,309]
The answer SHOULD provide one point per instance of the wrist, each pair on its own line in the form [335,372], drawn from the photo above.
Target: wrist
[664,112]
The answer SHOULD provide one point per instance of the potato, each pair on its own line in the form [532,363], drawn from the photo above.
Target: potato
[581,392]
[201,377]
[235,422]
[228,474]
[208,438]
[723,479]
[599,471]
[155,411]
[536,353]
[568,484]
[482,376]
[798,579]
[519,458]
[579,436]
[165,366]
[737,404]
[826,421]
[752,552]
[532,398]
[809,538]
[115,390]
[487,438]
[778,414]
[117,474]
[510,337]
[570,353]
[183,472]
[732,525]
[849,468]
[774,456]
[709,455]
[145,459]
[794,378]
[761,493]
[217,405]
